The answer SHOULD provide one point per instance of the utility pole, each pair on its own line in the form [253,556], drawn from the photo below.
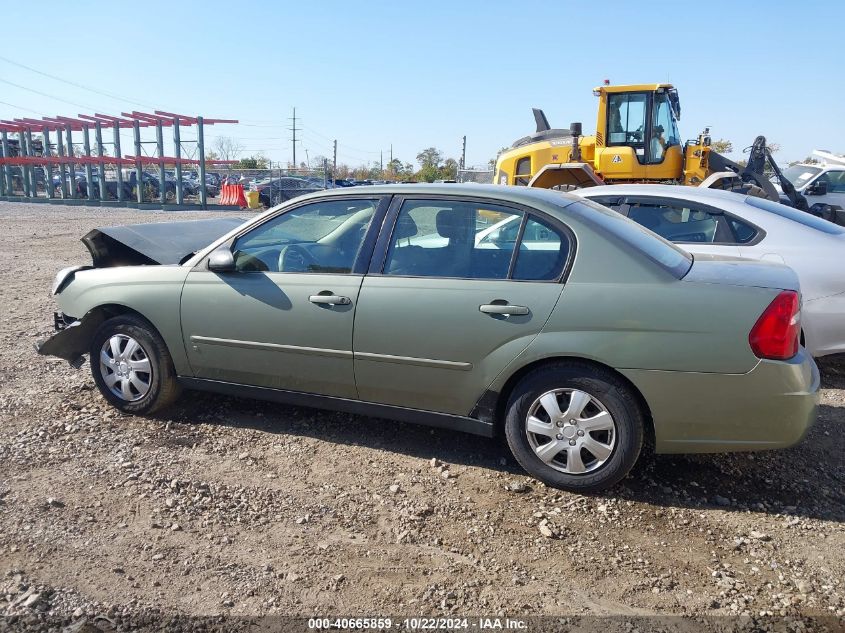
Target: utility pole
[381,162]
[294,129]
[464,153]
[334,163]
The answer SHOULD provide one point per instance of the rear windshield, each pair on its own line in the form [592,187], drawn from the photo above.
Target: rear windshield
[674,260]
[802,217]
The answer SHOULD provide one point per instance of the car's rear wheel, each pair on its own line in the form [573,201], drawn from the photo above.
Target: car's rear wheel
[574,427]
[132,367]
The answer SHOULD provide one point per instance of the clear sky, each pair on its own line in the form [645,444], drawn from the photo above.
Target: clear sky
[414,75]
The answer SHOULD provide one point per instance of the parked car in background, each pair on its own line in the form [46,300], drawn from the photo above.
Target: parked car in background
[152,185]
[211,190]
[36,173]
[278,190]
[821,183]
[190,187]
[580,351]
[111,188]
[318,182]
[715,222]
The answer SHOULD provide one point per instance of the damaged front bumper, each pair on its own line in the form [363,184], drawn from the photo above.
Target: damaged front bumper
[71,339]
[62,321]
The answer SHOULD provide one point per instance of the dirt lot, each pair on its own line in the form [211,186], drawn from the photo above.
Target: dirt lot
[235,507]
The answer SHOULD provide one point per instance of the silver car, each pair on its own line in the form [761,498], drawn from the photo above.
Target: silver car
[724,223]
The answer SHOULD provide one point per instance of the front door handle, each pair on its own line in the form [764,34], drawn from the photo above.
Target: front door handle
[322,299]
[503,308]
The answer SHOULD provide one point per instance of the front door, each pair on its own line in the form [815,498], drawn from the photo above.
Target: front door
[834,180]
[454,301]
[283,319]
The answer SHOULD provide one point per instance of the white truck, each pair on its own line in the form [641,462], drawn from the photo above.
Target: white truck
[821,183]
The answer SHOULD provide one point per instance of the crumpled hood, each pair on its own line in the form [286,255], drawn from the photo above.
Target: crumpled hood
[155,243]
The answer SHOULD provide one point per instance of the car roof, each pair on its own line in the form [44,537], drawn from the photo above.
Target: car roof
[506,193]
[748,207]
[676,191]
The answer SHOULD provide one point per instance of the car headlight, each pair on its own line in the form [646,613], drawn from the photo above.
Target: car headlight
[64,276]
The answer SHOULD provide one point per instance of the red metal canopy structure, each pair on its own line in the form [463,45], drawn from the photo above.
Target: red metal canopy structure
[29,162]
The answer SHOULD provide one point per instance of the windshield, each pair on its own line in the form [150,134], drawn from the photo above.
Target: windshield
[800,175]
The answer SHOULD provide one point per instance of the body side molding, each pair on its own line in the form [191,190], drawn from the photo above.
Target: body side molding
[298,398]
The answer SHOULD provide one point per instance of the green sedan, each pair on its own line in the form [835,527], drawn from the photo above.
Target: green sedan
[573,331]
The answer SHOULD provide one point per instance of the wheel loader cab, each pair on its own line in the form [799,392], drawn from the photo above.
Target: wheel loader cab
[636,140]
[638,135]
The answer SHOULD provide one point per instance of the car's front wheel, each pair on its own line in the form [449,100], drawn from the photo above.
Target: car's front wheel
[132,366]
[574,427]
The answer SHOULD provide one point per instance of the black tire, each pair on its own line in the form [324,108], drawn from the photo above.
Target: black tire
[162,387]
[606,390]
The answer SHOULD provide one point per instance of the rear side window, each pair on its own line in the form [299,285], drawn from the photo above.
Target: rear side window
[802,217]
[676,223]
[470,240]
[542,252]
[674,260]
[744,232]
[453,238]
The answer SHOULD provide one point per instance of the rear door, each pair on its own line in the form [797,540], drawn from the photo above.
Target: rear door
[453,295]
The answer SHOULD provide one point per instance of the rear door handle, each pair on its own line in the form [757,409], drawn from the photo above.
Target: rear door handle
[503,308]
[322,299]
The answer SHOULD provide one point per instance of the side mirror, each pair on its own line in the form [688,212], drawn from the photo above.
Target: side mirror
[221,261]
[818,188]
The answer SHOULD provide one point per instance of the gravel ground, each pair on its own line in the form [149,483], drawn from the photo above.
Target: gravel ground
[230,507]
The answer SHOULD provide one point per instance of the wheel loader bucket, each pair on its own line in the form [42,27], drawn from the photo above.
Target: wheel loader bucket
[565,176]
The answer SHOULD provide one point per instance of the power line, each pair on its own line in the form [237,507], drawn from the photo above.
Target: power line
[354,149]
[49,96]
[317,133]
[347,156]
[73,83]
[281,125]
[12,105]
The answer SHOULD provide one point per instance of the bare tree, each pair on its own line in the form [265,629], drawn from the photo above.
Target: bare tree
[227,148]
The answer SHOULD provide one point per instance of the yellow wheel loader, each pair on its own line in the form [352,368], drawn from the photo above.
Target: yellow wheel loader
[636,140]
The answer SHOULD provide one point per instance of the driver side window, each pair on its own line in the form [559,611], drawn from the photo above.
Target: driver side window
[323,237]
[835,181]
